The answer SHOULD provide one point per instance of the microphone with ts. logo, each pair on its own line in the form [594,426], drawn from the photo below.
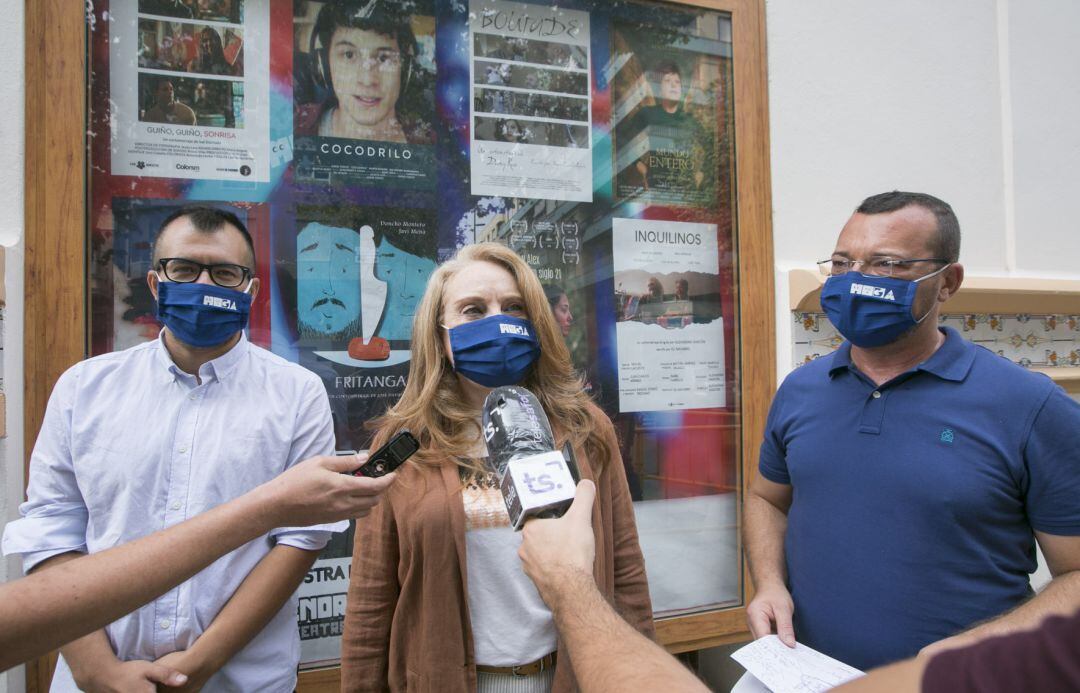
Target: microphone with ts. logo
[536,480]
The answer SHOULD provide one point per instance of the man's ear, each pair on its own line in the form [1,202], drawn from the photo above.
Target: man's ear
[254,291]
[953,277]
[152,281]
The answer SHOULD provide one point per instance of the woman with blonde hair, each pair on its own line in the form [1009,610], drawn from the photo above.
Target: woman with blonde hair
[437,598]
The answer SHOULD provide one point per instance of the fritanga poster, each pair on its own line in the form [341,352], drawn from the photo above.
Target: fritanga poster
[669,330]
[349,280]
[530,101]
[190,90]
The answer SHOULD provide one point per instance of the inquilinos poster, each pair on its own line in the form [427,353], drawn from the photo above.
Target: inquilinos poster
[664,116]
[530,108]
[364,93]
[669,331]
[190,90]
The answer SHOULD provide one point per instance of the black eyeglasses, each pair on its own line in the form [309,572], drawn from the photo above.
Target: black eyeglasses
[184,271]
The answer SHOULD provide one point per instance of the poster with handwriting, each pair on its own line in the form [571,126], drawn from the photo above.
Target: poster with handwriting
[530,109]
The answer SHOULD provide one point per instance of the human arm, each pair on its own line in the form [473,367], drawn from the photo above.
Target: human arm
[606,652]
[254,603]
[77,595]
[94,666]
[259,592]
[1044,658]
[764,524]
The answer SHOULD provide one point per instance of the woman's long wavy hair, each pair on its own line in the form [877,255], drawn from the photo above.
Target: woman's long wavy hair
[433,407]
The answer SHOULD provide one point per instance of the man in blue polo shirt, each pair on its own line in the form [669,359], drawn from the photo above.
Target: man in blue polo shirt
[905,479]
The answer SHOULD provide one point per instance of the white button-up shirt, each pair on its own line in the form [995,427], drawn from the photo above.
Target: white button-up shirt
[131,444]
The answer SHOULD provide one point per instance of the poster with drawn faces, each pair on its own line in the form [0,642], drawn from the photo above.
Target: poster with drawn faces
[347,296]
[328,282]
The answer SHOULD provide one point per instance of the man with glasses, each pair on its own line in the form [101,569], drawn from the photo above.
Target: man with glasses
[905,479]
[143,439]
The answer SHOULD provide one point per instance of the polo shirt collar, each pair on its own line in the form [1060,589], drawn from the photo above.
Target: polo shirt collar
[951,361]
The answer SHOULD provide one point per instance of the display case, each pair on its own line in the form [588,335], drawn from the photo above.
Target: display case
[620,147]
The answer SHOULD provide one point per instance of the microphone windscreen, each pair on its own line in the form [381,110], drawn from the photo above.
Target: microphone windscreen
[515,425]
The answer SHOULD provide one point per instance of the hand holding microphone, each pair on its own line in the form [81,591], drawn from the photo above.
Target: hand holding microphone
[552,547]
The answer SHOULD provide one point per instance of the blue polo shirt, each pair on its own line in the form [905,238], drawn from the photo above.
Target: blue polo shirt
[914,502]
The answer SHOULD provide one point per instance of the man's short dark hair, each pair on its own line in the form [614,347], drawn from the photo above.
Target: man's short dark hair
[381,17]
[206,220]
[669,67]
[947,243]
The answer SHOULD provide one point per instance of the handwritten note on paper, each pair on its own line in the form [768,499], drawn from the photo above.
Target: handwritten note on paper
[786,670]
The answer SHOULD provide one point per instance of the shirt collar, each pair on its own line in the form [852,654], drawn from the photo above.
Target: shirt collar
[219,368]
[951,361]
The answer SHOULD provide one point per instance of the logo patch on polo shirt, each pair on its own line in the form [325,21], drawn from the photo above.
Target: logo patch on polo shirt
[947,435]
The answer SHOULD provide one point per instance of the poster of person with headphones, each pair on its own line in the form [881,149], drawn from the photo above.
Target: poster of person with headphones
[364,92]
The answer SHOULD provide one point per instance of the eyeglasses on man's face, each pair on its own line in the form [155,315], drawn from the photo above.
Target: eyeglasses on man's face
[879,266]
[184,271]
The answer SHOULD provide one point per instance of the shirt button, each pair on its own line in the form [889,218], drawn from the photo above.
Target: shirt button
[176,505]
[183,448]
[192,396]
[877,395]
[165,624]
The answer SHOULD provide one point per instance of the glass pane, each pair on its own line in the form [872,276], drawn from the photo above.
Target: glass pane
[595,138]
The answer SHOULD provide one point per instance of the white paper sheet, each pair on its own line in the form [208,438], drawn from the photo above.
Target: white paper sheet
[749,684]
[786,670]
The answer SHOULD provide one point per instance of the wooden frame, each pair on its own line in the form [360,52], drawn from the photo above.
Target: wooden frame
[55,261]
[55,175]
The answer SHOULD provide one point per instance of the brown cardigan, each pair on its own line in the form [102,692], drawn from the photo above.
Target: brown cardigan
[407,616]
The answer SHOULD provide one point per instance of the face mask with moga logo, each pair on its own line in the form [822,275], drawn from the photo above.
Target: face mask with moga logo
[871,311]
[494,351]
[202,315]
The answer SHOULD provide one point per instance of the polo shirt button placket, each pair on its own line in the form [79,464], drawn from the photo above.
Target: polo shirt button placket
[873,413]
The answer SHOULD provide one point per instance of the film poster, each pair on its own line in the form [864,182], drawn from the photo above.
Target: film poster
[349,279]
[347,283]
[669,329]
[530,106]
[364,93]
[190,90]
[664,117]
[320,612]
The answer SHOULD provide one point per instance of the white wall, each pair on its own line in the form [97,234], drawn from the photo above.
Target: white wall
[974,101]
[970,100]
[11,232]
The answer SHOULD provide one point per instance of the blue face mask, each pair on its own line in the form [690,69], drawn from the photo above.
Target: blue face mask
[202,315]
[871,311]
[494,351]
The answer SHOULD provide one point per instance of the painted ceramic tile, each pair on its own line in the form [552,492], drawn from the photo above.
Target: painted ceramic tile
[1028,339]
